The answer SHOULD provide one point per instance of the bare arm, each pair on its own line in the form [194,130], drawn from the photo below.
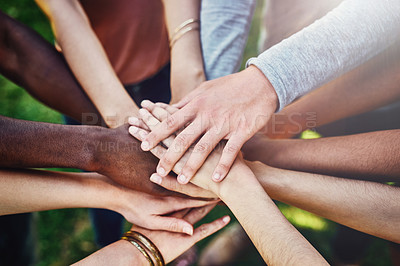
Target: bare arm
[96,75]
[33,63]
[276,239]
[372,85]
[111,152]
[187,70]
[374,155]
[369,207]
[35,190]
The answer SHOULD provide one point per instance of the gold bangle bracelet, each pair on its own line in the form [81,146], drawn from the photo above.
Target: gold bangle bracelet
[140,248]
[148,244]
[185,23]
[178,36]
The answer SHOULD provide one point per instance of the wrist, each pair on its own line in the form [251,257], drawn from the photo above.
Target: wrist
[239,178]
[257,76]
[129,255]
[99,139]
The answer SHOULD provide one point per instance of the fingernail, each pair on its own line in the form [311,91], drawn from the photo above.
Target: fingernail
[161,171]
[188,230]
[133,120]
[156,179]
[133,130]
[226,219]
[142,111]
[217,177]
[145,145]
[182,179]
[145,103]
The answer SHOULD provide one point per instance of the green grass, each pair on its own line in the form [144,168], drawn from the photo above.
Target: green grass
[65,236]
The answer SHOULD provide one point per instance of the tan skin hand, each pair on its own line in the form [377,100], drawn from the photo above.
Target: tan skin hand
[171,245]
[151,212]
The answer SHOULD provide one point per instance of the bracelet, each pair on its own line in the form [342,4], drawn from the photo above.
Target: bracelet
[181,33]
[184,24]
[136,236]
[148,244]
[140,248]
[182,30]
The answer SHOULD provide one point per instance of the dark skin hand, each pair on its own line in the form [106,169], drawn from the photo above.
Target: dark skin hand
[30,61]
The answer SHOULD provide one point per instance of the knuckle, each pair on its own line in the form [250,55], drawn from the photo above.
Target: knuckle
[188,170]
[232,148]
[224,167]
[204,231]
[166,161]
[173,226]
[170,122]
[201,147]
[181,140]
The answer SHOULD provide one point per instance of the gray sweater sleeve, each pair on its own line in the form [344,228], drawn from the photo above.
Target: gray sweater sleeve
[346,37]
[224,30]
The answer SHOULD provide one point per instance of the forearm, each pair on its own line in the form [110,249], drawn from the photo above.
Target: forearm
[96,75]
[365,206]
[275,238]
[186,57]
[34,190]
[118,253]
[374,155]
[33,63]
[372,85]
[36,144]
[224,31]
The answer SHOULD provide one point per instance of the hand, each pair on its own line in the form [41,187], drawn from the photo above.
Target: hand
[171,245]
[150,211]
[201,178]
[121,159]
[233,107]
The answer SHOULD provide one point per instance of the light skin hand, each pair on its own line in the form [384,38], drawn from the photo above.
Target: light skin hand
[277,235]
[151,120]
[152,212]
[216,110]
[171,245]
[38,190]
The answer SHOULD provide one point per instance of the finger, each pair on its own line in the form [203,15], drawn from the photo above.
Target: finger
[172,204]
[195,215]
[138,133]
[151,122]
[134,121]
[178,148]
[206,230]
[180,104]
[231,150]
[200,153]
[169,108]
[170,183]
[160,112]
[166,128]
[171,224]
[157,111]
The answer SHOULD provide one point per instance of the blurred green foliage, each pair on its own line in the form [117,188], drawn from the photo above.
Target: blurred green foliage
[65,236]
